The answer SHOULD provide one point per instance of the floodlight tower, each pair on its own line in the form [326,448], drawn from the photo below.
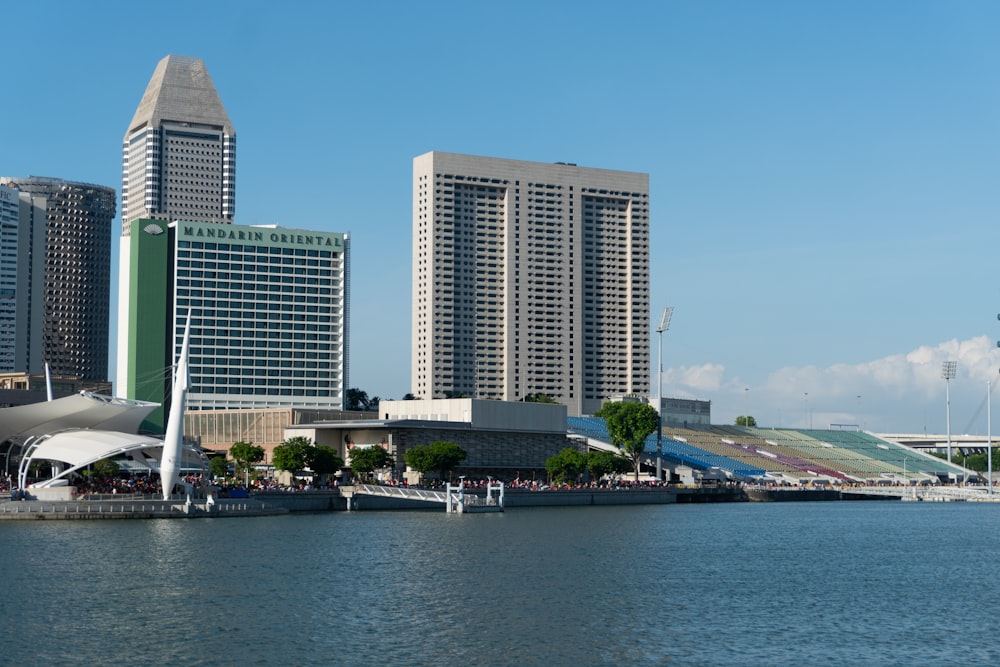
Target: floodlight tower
[989,436]
[663,326]
[948,369]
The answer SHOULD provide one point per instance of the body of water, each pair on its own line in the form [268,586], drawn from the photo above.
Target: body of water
[847,583]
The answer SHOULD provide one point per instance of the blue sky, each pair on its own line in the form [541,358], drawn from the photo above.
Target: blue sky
[823,174]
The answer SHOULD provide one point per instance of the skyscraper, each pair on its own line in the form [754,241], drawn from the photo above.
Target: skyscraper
[269,315]
[179,163]
[179,154]
[529,278]
[63,266]
[9,219]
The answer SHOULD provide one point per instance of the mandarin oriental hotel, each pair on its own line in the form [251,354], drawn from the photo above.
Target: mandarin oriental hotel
[269,315]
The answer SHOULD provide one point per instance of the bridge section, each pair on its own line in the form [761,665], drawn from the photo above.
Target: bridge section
[456,499]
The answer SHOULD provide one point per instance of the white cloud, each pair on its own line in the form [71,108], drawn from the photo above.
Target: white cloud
[901,392]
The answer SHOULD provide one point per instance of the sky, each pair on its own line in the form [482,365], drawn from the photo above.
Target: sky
[823,175]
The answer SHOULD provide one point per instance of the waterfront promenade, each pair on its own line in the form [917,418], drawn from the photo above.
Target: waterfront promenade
[904,493]
[134,508]
[366,498]
[282,502]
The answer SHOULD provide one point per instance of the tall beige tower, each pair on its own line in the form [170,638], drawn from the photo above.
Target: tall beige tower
[529,278]
[179,153]
[179,163]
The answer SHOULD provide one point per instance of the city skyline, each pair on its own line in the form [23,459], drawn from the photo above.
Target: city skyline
[822,177]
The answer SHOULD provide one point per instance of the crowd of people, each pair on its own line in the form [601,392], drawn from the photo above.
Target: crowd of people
[149,484]
[532,484]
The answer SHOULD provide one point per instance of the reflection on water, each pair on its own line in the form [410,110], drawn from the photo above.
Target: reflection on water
[851,583]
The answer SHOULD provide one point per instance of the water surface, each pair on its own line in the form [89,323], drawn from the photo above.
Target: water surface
[848,583]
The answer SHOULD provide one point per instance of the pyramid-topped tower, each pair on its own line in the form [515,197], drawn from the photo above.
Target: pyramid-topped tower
[179,153]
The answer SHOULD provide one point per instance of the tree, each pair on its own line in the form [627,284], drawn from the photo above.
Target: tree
[600,463]
[366,460]
[629,424]
[357,399]
[292,455]
[218,466]
[746,420]
[409,397]
[245,454]
[324,460]
[441,455]
[539,398]
[566,465]
[419,458]
[106,468]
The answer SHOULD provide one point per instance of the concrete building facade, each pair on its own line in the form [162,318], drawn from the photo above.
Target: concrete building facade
[501,439]
[10,207]
[58,263]
[529,278]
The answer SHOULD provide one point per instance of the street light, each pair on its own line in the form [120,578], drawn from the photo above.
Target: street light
[989,438]
[746,405]
[948,369]
[663,326]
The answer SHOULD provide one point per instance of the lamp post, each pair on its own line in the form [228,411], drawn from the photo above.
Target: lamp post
[746,405]
[663,326]
[989,438]
[948,369]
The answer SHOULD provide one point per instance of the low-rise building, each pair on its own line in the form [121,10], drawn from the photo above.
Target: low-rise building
[502,439]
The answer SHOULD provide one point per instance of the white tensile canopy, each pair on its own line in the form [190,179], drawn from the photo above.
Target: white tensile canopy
[79,430]
[83,410]
[79,449]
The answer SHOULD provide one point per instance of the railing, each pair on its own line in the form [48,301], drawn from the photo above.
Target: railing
[122,506]
[408,493]
[928,493]
[116,507]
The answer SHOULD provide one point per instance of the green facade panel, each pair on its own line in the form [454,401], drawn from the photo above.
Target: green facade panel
[149,297]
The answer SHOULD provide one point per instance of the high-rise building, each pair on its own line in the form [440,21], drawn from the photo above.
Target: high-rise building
[269,315]
[529,278]
[10,206]
[179,153]
[63,266]
[179,163]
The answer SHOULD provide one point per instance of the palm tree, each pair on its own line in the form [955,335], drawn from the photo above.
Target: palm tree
[357,399]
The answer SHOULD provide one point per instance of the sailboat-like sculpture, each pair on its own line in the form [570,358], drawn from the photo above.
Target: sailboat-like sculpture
[173,440]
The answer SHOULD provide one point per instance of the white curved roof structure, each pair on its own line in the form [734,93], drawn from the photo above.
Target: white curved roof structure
[80,411]
[79,449]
